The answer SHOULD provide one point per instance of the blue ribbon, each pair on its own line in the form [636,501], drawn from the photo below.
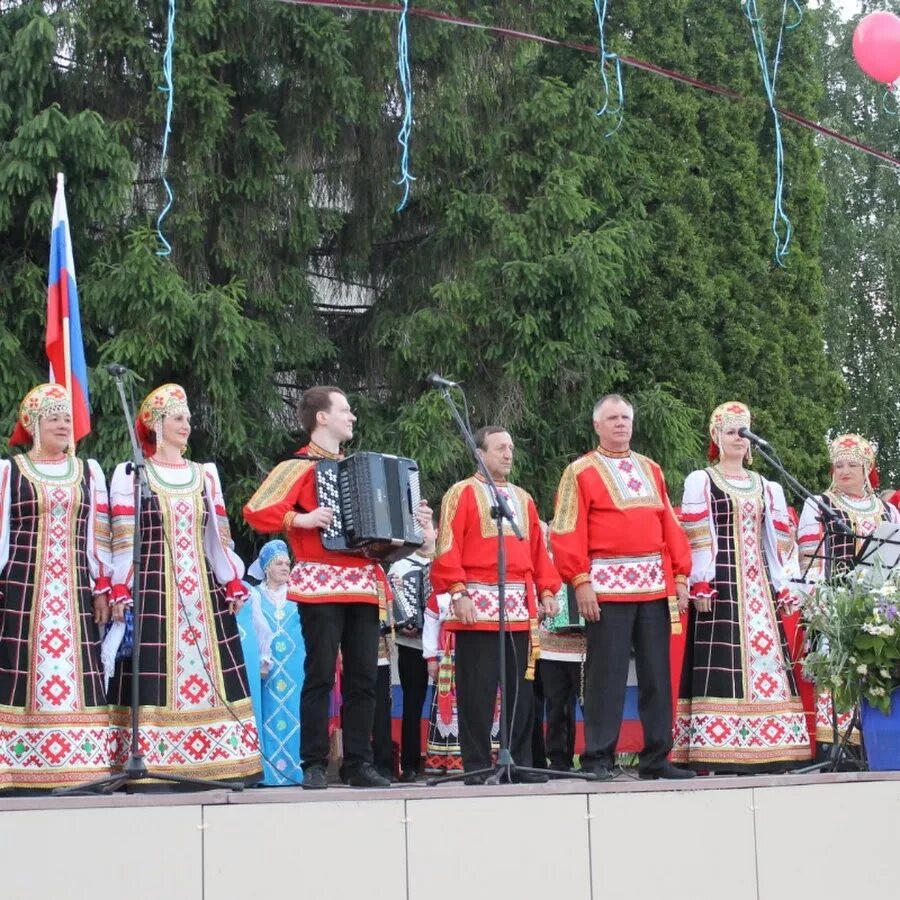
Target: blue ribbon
[781,224]
[604,56]
[406,177]
[168,88]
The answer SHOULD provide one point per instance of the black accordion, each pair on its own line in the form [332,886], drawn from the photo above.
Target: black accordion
[411,591]
[374,497]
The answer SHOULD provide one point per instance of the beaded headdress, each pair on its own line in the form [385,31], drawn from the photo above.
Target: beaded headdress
[724,416]
[167,400]
[41,401]
[857,449]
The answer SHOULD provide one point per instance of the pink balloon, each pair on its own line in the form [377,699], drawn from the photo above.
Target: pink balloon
[876,46]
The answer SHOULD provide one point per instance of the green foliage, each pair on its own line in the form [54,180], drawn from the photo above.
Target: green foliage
[859,255]
[540,261]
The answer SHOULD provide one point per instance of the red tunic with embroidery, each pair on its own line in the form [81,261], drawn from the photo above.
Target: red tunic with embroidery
[466,556]
[614,527]
[319,575]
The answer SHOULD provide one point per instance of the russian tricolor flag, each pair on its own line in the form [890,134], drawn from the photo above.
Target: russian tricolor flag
[65,344]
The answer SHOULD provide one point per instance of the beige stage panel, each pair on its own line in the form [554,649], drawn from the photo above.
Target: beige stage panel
[140,852]
[681,845]
[828,840]
[527,847]
[301,849]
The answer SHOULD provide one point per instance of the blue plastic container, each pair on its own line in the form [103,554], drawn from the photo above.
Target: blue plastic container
[881,734]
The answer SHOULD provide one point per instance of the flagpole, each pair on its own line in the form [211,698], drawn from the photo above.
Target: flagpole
[67,348]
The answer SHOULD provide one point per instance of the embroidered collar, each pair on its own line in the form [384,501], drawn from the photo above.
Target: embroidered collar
[868,503]
[498,481]
[613,454]
[315,451]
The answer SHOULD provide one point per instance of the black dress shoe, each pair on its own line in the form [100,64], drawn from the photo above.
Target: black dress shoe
[409,776]
[600,773]
[474,779]
[667,771]
[315,778]
[366,775]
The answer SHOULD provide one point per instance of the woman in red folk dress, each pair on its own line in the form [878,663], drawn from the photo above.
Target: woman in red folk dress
[55,568]
[738,709]
[196,715]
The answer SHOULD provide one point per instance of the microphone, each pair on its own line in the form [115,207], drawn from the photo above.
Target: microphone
[745,432]
[117,370]
[435,380]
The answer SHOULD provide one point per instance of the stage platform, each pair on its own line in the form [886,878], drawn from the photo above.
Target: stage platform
[750,838]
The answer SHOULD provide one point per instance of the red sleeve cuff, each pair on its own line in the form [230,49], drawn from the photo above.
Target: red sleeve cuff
[703,590]
[236,590]
[103,585]
[120,593]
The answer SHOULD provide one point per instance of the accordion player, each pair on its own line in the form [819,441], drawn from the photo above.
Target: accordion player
[411,588]
[374,497]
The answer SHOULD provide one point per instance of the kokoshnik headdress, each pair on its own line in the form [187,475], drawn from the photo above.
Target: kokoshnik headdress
[724,416]
[857,449]
[40,402]
[167,400]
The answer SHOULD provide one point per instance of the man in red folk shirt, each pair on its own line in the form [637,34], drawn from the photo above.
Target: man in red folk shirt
[466,568]
[339,595]
[615,539]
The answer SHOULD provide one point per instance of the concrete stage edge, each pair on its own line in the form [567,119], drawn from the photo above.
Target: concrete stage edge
[751,838]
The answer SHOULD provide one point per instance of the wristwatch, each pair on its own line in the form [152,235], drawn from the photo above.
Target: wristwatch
[458,595]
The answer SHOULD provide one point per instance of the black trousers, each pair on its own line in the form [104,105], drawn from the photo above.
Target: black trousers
[382,744]
[477,677]
[538,746]
[645,626]
[413,672]
[562,685]
[352,628]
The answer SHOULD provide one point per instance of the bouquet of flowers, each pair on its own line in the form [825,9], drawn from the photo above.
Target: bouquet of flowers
[853,630]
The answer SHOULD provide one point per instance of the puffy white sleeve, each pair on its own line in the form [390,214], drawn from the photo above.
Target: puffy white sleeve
[431,631]
[5,500]
[261,629]
[810,543]
[100,563]
[226,565]
[121,508]
[435,612]
[891,513]
[778,545]
[697,522]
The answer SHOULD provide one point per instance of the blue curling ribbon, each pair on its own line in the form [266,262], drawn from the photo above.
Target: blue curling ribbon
[168,88]
[781,224]
[604,56]
[406,177]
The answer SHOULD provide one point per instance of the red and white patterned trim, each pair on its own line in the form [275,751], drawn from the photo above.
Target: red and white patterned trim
[315,582]
[487,603]
[628,577]
[35,751]
[738,732]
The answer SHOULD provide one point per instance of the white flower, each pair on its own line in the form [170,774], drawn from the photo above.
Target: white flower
[887,589]
[884,673]
[877,691]
[862,668]
[853,659]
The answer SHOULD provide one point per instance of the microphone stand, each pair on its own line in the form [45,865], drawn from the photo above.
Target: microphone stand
[505,767]
[135,768]
[834,525]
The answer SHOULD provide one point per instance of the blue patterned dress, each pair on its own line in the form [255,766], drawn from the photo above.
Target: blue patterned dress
[275,631]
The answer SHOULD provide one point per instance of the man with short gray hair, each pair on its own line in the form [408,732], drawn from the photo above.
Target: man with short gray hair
[617,542]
